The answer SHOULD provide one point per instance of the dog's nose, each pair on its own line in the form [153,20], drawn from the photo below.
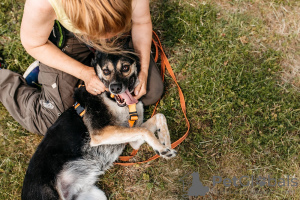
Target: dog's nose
[116,88]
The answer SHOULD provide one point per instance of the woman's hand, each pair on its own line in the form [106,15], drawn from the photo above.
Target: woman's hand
[92,82]
[141,89]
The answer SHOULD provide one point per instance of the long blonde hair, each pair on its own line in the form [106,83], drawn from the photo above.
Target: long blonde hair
[95,19]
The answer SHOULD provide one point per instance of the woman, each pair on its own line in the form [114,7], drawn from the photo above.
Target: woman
[89,21]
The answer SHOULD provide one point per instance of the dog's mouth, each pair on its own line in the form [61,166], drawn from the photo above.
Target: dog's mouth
[125,99]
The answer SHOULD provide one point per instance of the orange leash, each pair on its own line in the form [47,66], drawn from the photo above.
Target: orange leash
[164,64]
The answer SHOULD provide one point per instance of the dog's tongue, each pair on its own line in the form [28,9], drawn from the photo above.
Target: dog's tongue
[128,97]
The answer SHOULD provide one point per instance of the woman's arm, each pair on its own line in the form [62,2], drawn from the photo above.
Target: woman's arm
[142,38]
[37,23]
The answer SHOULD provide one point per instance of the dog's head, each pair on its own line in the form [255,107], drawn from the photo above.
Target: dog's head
[119,73]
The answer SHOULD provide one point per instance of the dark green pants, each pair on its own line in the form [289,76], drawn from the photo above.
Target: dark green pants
[36,110]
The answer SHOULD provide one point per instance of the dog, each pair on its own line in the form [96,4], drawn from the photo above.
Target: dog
[75,150]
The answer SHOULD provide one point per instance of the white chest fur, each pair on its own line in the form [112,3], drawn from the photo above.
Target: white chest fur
[121,114]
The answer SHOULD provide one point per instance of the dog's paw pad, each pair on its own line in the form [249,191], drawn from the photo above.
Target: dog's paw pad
[165,152]
[157,152]
[168,153]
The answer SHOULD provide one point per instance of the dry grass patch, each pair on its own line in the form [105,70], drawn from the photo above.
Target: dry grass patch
[280,30]
[234,165]
[154,180]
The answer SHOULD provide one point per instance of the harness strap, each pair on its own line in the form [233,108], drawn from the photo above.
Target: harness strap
[79,109]
[164,64]
[133,116]
[58,35]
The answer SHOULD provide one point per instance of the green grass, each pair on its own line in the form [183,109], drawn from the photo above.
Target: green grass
[11,49]
[244,119]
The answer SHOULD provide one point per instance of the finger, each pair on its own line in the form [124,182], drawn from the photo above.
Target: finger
[141,93]
[92,91]
[96,84]
[137,89]
[99,90]
[91,88]
[136,94]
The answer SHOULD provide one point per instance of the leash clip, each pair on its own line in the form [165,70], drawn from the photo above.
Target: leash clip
[133,116]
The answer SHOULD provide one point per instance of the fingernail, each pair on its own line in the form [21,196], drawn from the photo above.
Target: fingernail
[136,93]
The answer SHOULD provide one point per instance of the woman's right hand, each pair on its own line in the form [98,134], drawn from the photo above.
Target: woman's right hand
[92,82]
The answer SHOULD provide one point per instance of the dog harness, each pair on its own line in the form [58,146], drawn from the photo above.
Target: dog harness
[133,116]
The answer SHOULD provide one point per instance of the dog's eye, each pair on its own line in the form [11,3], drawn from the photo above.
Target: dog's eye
[106,72]
[125,68]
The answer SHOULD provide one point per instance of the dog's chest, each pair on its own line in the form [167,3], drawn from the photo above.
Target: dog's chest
[121,114]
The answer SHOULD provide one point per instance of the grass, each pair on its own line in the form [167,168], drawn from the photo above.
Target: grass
[237,67]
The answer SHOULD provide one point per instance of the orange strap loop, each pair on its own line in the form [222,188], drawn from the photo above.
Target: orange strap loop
[164,64]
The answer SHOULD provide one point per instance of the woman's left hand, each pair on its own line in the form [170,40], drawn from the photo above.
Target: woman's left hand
[141,89]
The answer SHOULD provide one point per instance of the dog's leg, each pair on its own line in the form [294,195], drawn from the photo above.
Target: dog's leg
[119,135]
[156,123]
[136,144]
[159,123]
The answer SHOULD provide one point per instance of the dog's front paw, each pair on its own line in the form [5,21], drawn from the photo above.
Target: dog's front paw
[166,153]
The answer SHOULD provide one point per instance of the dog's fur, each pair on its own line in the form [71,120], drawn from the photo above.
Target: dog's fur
[75,151]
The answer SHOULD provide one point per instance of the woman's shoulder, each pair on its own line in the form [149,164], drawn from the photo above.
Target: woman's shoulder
[40,6]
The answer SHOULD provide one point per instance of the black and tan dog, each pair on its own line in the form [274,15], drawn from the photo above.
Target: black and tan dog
[75,151]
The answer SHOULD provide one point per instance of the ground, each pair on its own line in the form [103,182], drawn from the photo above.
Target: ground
[237,63]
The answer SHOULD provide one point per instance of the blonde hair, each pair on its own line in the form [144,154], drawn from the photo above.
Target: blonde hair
[95,19]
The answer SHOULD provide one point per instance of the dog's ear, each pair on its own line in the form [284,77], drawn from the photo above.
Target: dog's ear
[93,62]
[96,59]
[97,70]
[136,58]
[127,43]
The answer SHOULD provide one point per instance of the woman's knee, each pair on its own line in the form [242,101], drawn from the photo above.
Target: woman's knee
[154,93]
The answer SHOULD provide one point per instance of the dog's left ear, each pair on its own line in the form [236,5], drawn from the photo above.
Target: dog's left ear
[94,62]
[96,59]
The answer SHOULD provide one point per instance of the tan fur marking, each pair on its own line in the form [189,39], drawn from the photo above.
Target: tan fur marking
[119,135]
[110,67]
[119,65]
[132,69]
[159,122]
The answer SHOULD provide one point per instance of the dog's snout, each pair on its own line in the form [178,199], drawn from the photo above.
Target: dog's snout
[116,88]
